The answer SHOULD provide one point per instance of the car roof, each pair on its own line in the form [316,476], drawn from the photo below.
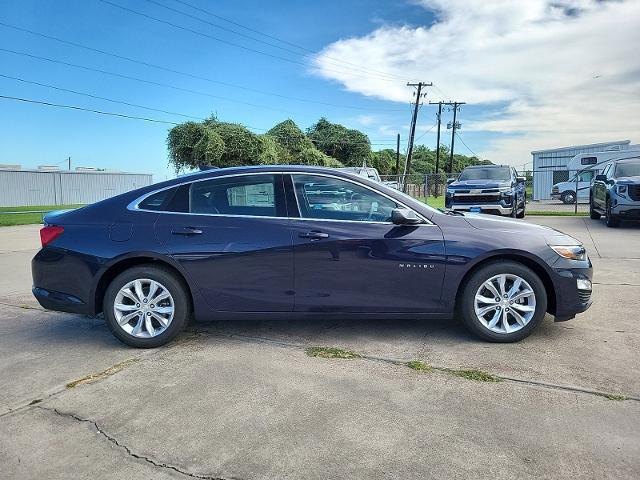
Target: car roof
[628,160]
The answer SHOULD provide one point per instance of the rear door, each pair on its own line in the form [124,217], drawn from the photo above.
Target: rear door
[349,257]
[233,239]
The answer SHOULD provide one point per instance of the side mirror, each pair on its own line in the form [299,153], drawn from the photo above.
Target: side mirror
[601,178]
[404,216]
[450,180]
[521,179]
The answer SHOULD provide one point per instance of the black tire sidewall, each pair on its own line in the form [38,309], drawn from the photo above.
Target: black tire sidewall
[612,220]
[466,301]
[175,286]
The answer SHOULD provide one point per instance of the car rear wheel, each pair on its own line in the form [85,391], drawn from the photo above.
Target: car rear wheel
[146,306]
[592,213]
[568,197]
[503,301]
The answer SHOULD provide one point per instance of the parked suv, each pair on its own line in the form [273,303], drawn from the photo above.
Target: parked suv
[487,189]
[616,192]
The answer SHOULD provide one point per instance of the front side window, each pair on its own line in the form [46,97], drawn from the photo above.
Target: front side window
[254,195]
[628,169]
[335,199]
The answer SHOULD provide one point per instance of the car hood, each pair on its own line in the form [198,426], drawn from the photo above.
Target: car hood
[478,184]
[501,224]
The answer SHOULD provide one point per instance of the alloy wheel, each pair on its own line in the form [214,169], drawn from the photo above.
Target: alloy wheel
[505,303]
[144,308]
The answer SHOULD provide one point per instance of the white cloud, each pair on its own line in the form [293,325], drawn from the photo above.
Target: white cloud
[550,73]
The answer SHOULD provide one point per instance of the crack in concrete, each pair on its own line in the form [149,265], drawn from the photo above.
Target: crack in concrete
[591,237]
[127,449]
[399,362]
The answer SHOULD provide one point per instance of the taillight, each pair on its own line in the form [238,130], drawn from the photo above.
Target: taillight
[49,233]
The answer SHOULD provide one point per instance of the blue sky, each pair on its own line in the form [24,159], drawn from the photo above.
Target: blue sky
[399,37]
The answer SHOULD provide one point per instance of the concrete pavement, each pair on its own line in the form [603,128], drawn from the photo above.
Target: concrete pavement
[242,400]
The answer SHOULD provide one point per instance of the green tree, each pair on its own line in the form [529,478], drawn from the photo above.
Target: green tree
[290,137]
[350,147]
[384,161]
[193,144]
[241,146]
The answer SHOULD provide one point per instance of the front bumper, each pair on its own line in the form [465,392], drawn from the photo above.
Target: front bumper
[556,195]
[571,300]
[484,207]
[627,210]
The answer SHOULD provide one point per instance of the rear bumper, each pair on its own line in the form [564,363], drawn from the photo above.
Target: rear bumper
[58,301]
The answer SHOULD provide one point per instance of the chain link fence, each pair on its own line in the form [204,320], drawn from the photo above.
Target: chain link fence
[546,190]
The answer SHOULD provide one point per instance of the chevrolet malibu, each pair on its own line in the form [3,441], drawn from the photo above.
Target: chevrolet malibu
[300,242]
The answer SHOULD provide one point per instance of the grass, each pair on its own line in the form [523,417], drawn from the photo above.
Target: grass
[612,396]
[419,366]
[438,202]
[331,352]
[477,375]
[104,374]
[28,218]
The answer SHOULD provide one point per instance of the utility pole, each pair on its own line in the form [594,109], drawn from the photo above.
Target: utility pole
[453,133]
[414,119]
[69,159]
[437,176]
[398,156]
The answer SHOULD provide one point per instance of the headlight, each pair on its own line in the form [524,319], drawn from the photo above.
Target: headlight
[555,190]
[572,252]
[505,189]
[622,189]
[450,191]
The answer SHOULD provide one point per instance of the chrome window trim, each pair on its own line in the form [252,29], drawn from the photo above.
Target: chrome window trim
[134,205]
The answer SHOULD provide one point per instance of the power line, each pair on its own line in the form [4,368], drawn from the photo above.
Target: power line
[309,54]
[75,107]
[75,92]
[424,133]
[217,39]
[463,142]
[142,80]
[134,117]
[308,50]
[186,74]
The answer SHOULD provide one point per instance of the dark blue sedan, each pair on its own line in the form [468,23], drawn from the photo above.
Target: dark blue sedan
[300,242]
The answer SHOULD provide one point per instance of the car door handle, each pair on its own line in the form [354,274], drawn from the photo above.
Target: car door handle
[314,235]
[186,231]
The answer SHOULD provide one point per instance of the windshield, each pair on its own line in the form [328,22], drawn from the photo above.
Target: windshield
[630,169]
[492,173]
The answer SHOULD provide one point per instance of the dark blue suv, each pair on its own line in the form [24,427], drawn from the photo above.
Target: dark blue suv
[488,189]
[616,192]
[300,242]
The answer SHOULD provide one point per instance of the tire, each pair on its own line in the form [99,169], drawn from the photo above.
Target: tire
[524,206]
[174,309]
[537,303]
[568,197]
[613,221]
[592,213]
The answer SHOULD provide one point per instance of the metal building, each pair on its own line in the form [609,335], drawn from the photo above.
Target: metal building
[550,166]
[45,186]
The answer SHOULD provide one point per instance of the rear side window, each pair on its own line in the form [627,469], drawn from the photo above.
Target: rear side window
[252,195]
[157,201]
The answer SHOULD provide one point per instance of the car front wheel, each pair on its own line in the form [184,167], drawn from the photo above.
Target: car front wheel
[503,301]
[612,220]
[568,197]
[146,306]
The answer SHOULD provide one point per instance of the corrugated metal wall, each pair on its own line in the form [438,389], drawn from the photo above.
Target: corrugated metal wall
[546,162]
[25,187]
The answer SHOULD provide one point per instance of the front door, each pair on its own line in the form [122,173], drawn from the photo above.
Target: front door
[234,242]
[349,257]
